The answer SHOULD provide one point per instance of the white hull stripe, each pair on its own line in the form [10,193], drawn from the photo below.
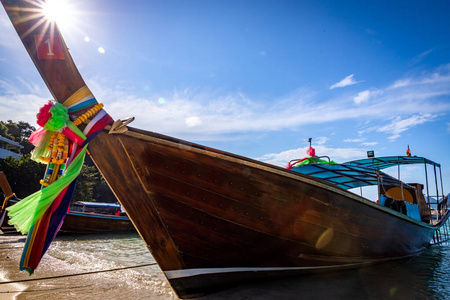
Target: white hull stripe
[173,274]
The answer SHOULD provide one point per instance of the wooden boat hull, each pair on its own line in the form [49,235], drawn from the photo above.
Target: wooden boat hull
[212,218]
[78,222]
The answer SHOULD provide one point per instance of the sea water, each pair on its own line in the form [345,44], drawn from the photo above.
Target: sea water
[131,272]
[134,275]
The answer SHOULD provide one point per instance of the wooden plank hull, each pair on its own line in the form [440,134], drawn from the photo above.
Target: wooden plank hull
[212,218]
[78,222]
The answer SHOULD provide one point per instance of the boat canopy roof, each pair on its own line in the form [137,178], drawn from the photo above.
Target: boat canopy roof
[348,176]
[391,161]
[96,204]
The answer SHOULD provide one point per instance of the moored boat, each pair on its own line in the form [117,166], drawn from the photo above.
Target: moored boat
[82,217]
[95,217]
[212,218]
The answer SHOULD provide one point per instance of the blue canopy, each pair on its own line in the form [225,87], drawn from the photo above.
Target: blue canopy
[390,161]
[97,204]
[348,176]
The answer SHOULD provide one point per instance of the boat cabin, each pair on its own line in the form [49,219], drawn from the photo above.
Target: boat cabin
[406,198]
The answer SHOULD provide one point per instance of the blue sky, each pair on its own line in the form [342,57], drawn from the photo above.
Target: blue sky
[258,78]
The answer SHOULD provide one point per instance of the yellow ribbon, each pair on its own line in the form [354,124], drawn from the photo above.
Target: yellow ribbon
[77,96]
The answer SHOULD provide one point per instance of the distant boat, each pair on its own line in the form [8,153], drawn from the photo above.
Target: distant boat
[83,217]
[93,217]
[212,219]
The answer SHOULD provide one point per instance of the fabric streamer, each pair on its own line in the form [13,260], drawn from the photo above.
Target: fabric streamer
[26,212]
[62,145]
[310,159]
[307,161]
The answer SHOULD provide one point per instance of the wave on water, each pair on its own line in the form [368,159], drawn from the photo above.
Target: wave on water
[425,276]
[84,256]
[112,251]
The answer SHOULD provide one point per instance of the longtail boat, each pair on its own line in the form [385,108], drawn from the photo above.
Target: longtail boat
[213,219]
[82,217]
[92,220]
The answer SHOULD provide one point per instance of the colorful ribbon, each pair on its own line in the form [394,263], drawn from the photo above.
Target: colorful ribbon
[41,214]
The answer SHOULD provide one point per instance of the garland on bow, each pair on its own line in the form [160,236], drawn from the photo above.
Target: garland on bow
[62,146]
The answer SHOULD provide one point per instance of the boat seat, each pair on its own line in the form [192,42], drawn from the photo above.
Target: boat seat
[409,209]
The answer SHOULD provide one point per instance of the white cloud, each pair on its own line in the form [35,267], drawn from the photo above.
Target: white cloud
[21,102]
[439,76]
[418,58]
[338,155]
[364,96]
[320,140]
[399,125]
[349,80]
[369,143]
[210,115]
[193,121]
[400,83]
[353,140]
[21,108]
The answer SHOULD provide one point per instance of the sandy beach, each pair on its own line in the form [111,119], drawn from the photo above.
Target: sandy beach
[9,256]
[123,284]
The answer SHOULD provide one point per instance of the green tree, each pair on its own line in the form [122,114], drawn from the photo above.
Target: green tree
[88,178]
[13,129]
[25,130]
[18,132]
[4,131]
[23,174]
[102,192]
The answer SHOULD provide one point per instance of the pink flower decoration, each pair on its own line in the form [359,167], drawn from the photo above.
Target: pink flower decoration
[44,114]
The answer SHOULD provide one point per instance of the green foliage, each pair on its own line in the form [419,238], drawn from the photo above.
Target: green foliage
[4,131]
[13,129]
[92,187]
[25,130]
[86,181]
[23,174]
[102,192]
[18,132]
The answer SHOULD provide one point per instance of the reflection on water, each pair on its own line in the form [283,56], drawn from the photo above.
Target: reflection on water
[426,276]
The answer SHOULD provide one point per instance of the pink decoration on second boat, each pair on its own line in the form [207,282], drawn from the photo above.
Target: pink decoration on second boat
[311,151]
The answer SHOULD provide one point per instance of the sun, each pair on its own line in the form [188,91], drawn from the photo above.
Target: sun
[59,11]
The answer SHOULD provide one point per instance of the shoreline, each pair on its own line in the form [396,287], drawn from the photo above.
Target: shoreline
[12,290]
[68,259]
[10,256]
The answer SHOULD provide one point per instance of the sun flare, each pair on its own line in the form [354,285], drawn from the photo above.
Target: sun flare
[59,11]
